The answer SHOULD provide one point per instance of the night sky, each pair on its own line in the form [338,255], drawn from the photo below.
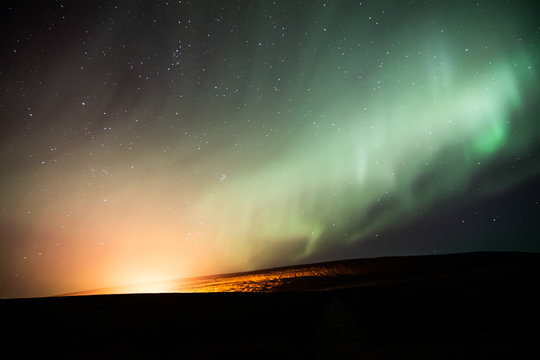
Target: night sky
[151,140]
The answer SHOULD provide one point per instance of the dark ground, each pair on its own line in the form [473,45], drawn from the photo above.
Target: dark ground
[465,306]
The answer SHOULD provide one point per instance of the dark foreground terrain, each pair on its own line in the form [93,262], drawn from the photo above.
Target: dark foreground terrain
[463,306]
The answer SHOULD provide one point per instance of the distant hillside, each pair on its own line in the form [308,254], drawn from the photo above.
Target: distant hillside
[338,274]
[462,306]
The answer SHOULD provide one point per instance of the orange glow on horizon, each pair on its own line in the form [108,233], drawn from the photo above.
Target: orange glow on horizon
[305,277]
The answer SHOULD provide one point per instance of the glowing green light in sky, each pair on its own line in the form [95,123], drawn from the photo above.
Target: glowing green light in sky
[379,151]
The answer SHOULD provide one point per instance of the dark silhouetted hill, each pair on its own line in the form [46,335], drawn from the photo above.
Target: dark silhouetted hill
[462,306]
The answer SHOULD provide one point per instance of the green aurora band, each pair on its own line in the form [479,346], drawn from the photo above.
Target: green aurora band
[376,151]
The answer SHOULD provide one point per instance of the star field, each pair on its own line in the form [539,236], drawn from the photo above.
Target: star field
[145,141]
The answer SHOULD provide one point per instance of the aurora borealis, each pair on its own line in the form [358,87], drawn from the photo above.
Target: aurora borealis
[152,140]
